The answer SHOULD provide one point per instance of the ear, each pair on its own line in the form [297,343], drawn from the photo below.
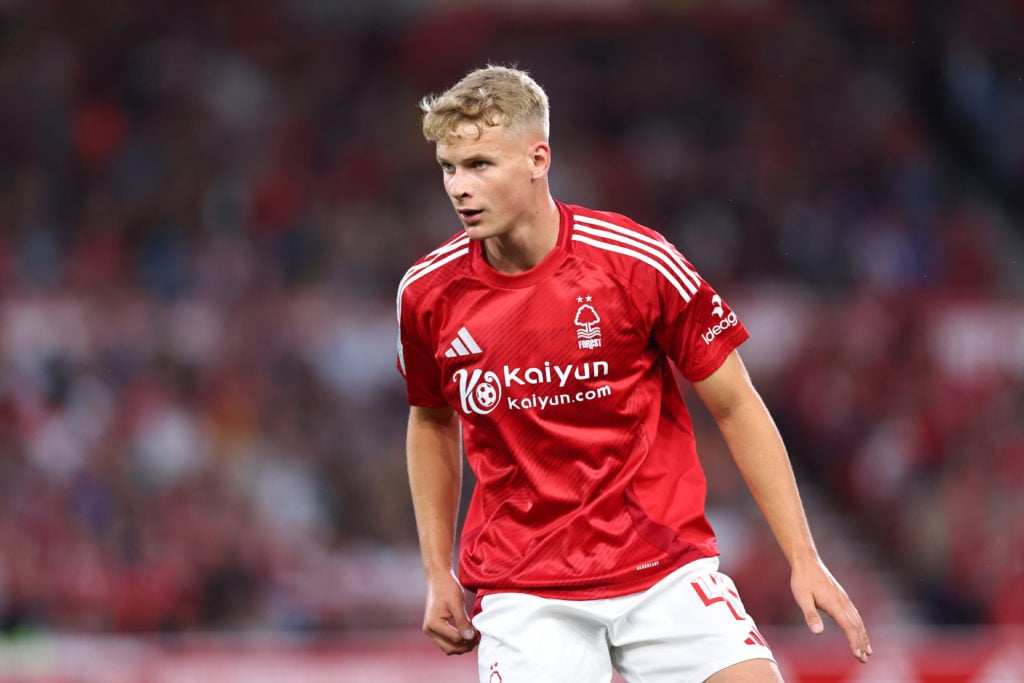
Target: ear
[540,159]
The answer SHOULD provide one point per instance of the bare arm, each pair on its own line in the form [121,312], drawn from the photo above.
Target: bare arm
[761,457]
[435,479]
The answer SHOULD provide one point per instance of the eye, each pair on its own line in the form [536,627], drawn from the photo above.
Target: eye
[446,167]
[480,163]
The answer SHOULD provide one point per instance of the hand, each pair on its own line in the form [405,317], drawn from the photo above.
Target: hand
[445,620]
[815,588]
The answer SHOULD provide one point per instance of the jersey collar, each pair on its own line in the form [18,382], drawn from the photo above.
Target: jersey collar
[541,271]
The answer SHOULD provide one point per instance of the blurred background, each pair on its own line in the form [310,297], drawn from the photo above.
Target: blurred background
[205,209]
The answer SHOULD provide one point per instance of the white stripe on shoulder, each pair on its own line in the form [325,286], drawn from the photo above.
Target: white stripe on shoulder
[665,251]
[454,243]
[658,266]
[441,257]
[671,263]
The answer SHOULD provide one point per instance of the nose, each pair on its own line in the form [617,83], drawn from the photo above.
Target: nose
[457,185]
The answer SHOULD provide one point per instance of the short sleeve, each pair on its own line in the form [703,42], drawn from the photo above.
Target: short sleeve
[694,325]
[417,364]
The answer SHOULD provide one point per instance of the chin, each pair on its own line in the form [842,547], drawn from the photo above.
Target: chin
[476,232]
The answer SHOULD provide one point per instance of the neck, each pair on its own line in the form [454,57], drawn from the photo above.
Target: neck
[526,244]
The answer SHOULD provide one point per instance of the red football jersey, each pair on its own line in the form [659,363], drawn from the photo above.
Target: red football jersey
[588,482]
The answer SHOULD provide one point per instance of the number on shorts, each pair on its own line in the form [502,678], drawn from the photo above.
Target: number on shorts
[710,590]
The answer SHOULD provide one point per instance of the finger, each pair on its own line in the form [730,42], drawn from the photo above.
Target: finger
[464,625]
[450,628]
[849,619]
[448,638]
[438,627]
[811,616]
[857,634]
[461,648]
[458,626]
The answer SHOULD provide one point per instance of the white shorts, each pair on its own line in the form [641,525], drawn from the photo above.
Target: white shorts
[685,628]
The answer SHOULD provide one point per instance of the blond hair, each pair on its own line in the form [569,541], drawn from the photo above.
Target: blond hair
[489,96]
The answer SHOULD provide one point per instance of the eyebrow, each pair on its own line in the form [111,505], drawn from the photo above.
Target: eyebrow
[467,160]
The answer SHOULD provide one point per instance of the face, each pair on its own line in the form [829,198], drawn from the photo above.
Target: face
[490,179]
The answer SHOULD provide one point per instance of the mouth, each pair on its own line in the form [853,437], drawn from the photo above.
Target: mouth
[470,215]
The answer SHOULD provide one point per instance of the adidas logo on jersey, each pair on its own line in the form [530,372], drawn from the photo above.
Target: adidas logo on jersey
[463,345]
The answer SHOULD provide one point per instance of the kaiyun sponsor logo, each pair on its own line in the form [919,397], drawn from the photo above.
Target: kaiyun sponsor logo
[542,402]
[480,391]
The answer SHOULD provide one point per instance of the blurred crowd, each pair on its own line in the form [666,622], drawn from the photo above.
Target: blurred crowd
[205,209]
